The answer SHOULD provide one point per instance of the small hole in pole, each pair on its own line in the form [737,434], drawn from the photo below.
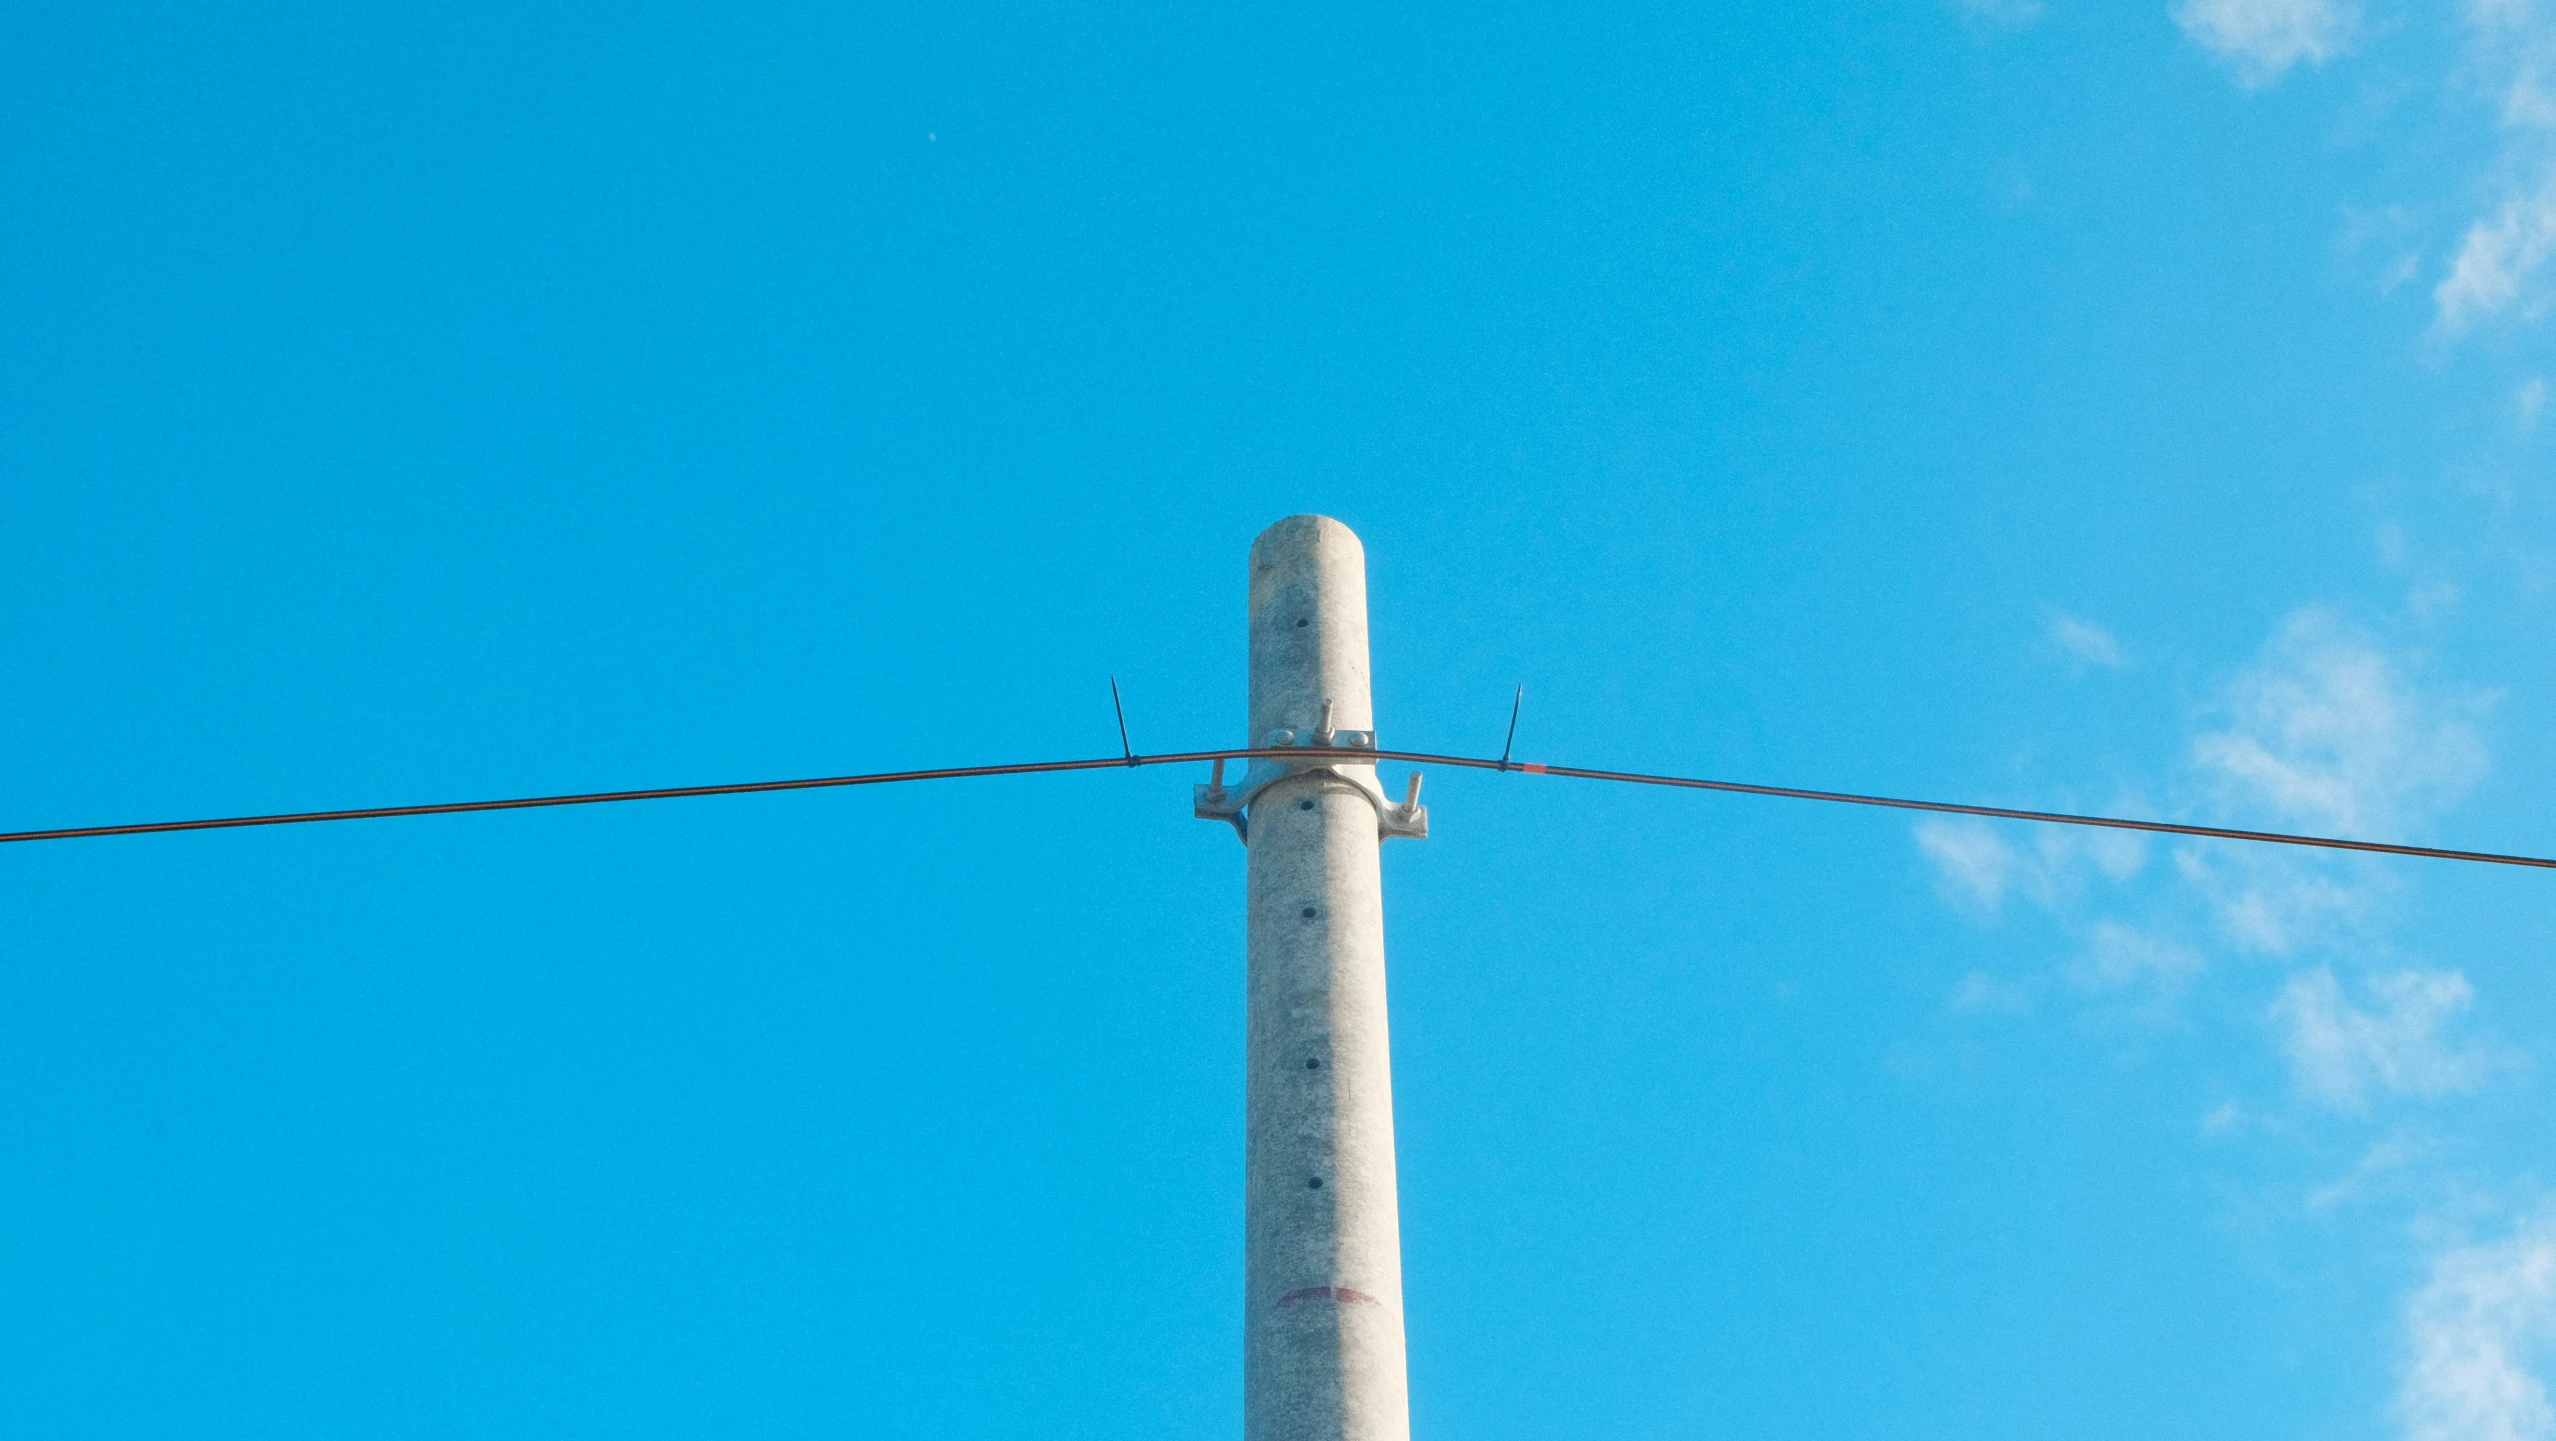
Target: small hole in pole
[1304,805]
[1313,1065]
[1310,913]
[1314,1184]
[1300,625]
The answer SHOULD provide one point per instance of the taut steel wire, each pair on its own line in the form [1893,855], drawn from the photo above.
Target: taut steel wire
[1295,753]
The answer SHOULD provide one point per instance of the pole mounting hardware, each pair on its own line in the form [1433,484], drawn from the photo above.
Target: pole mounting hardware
[1216,801]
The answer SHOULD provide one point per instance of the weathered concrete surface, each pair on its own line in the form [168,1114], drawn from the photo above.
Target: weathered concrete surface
[1323,1342]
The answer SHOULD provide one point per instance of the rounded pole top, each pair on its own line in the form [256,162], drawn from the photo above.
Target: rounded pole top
[1302,533]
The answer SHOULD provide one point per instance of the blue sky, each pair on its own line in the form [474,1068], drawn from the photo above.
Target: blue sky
[2132,407]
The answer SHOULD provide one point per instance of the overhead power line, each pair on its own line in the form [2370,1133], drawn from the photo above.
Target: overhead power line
[1297,753]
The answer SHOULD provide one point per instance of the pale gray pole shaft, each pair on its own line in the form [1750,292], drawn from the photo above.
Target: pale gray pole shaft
[1323,1341]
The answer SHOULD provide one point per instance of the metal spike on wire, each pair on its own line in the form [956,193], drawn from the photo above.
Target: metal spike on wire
[1115,704]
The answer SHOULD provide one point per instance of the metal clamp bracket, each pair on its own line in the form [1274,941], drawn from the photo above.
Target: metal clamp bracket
[1215,801]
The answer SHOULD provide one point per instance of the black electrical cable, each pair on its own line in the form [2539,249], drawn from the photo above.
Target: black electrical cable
[2225,833]
[589,798]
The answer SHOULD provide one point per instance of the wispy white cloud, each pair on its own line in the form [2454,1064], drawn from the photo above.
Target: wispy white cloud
[2495,273]
[2340,1054]
[2004,14]
[2381,245]
[1978,993]
[2122,958]
[2383,1159]
[1977,865]
[2515,49]
[2262,39]
[2498,268]
[2085,640]
[2274,903]
[2327,730]
[2432,599]
[2472,1334]
[1971,861]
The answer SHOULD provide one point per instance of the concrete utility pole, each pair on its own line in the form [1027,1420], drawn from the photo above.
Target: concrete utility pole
[1322,1290]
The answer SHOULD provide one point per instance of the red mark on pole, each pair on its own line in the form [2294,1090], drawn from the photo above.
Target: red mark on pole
[1341,1294]
[1531,768]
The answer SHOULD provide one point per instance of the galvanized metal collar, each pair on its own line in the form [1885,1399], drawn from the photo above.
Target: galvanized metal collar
[1215,801]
